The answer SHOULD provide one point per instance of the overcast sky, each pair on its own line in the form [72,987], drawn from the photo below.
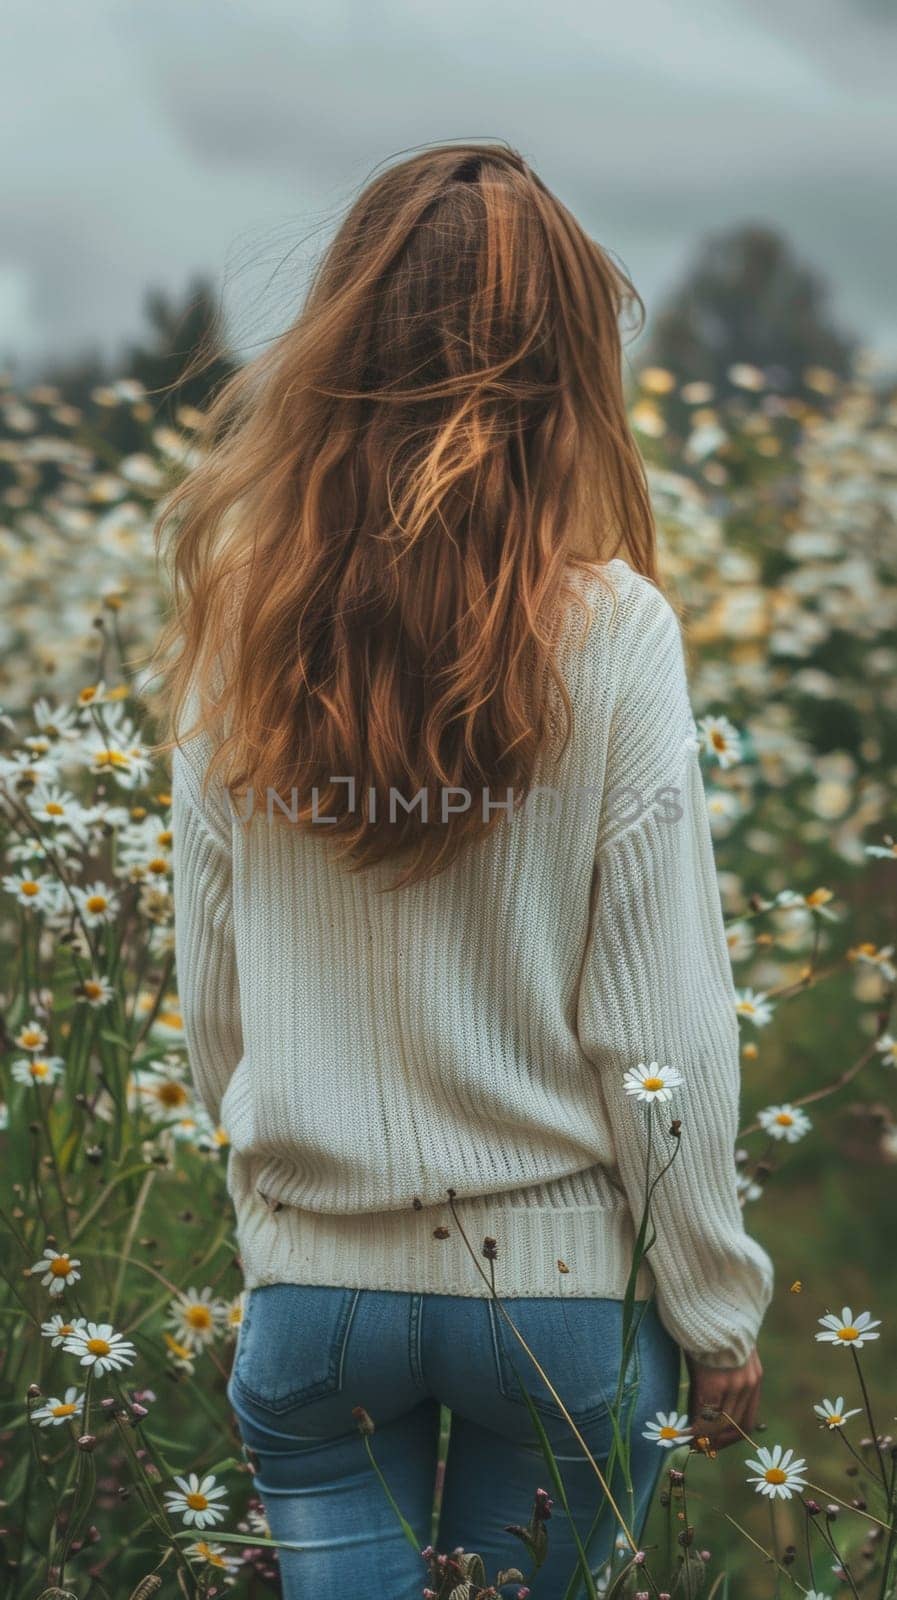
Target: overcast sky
[146,140]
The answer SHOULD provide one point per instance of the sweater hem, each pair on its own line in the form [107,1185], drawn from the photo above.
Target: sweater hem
[541,1251]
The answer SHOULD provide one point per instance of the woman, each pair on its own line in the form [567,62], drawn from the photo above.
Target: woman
[444,878]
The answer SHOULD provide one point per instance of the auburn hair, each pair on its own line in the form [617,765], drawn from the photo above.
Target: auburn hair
[369,560]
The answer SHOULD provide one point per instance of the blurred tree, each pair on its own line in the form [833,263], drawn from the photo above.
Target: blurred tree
[748,299]
[185,358]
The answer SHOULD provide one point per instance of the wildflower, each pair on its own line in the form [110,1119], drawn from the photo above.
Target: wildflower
[180,1355]
[58,1329]
[230,1313]
[833,1413]
[880,958]
[196,1501]
[59,1270]
[754,1007]
[99,1346]
[778,1475]
[848,1330]
[55,1412]
[747,1187]
[96,990]
[816,902]
[885,852]
[784,1122]
[40,1069]
[887,1047]
[31,1037]
[214,1555]
[32,890]
[720,739]
[97,904]
[116,751]
[670,1429]
[58,809]
[652,1082]
[194,1318]
[161,1089]
[740,939]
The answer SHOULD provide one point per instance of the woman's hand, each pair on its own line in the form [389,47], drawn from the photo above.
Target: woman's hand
[734,1390]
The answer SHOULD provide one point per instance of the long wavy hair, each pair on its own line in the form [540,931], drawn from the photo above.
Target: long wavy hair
[369,561]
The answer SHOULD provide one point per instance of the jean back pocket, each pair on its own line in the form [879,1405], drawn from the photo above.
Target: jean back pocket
[292,1344]
[578,1344]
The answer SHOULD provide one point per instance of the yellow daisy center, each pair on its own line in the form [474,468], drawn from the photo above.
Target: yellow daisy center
[775,1475]
[819,897]
[669,1433]
[835,1419]
[54,809]
[171,1094]
[92,989]
[66,1328]
[164,839]
[196,1502]
[98,1347]
[171,1019]
[61,1267]
[718,739]
[784,1119]
[97,902]
[65,1410]
[177,1349]
[39,1069]
[30,1039]
[113,758]
[848,1333]
[29,887]
[652,1083]
[198,1316]
[86,696]
[159,866]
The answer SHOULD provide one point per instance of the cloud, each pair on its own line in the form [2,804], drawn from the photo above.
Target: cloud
[153,142]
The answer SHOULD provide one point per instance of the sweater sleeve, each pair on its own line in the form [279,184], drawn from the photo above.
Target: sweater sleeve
[657,987]
[208,986]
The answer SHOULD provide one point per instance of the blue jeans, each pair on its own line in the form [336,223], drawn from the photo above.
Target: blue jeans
[307,1355]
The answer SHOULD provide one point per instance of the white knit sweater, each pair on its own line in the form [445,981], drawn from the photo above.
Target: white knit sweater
[368,1052]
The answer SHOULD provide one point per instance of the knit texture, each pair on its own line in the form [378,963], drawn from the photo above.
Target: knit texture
[369,1052]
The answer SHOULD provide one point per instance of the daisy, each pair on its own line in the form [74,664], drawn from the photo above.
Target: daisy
[54,1412]
[40,1069]
[720,739]
[161,1090]
[59,1328]
[214,1555]
[848,1330]
[60,1270]
[817,902]
[116,751]
[740,939]
[876,958]
[96,990]
[195,1502]
[194,1318]
[885,852]
[32,890]
[31,1037]
[669,1430]
[99,1346]
[833,1413]
[778,1475]
[58,809]
[652,1082]
[753,1007]
[97,904]
[747,1187]
[887,1047]
[57,722]
[230,1314]
[784,1122]
[181,1356]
